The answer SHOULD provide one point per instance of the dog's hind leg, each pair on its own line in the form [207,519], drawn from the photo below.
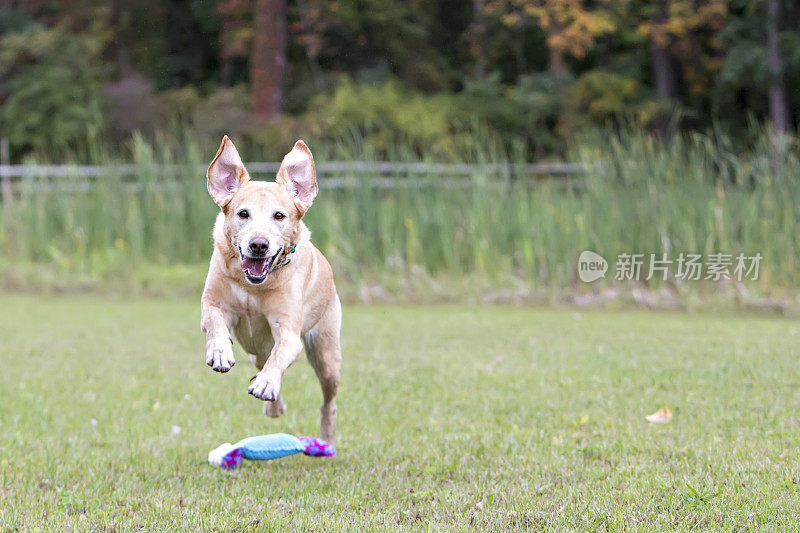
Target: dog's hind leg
[275,408]
[325,355]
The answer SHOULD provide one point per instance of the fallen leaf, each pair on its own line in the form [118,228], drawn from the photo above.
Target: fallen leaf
[662,416]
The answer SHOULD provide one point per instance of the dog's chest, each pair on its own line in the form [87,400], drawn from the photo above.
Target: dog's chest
[250,327]
[244,303]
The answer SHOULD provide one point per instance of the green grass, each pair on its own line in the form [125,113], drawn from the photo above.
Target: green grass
[449,418]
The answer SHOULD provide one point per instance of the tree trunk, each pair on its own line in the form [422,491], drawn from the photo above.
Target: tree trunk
[664,72]
[268,58]
[778,110]
[225,59]
[117,44]
[479,38]
[557,63]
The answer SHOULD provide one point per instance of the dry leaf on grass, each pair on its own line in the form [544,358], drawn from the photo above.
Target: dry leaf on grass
[662,416]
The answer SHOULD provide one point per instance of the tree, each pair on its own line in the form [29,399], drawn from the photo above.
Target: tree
[235,35]
[663,64]
[268,58]
[778,110]
[679,34]
[571,26]
[54,79]
[313,19]
[762,58]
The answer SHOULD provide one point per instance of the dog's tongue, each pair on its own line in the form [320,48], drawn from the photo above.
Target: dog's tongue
[255,267]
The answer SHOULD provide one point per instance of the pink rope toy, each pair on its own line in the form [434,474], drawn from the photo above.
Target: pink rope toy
[266,447]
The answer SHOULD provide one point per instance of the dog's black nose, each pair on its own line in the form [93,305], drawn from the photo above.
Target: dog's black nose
[259,246]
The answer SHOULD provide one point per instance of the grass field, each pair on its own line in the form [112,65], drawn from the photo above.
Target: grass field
[449,418]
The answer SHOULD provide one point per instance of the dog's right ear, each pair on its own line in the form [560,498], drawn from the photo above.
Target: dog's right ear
[226,173]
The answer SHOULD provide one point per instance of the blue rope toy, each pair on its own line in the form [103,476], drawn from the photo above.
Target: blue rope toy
[266,447]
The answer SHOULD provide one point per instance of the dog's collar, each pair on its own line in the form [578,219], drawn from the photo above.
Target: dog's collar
[286,259]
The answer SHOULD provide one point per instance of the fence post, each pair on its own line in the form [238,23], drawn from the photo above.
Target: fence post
[7,194]
[5,180]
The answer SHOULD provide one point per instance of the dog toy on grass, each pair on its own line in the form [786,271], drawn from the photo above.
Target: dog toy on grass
[268,447]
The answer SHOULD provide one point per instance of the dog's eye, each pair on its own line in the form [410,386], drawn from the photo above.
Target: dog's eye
[279,216]
[243,213]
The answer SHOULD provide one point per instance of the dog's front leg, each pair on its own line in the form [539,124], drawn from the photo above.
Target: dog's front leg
[219,346]
[267,383]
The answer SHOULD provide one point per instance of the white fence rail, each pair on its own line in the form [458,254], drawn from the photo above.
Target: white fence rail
[332,175]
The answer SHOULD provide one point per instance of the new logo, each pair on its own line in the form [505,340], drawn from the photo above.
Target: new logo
[591,266]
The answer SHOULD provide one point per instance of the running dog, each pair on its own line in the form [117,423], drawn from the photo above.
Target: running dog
[267,283]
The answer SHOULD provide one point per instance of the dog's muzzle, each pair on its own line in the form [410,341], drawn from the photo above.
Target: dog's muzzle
[256,269]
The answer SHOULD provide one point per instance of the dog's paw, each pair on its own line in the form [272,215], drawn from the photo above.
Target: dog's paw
[265,386]
[219,356]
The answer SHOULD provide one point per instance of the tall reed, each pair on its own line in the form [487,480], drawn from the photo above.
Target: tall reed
[694,193]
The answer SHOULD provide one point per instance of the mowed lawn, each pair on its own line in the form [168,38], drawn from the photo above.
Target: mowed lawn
[462,418]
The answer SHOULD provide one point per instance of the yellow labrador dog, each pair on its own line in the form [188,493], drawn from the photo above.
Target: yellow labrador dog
[267,283]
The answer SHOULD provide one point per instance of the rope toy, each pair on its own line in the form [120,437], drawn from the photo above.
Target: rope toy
[266,447]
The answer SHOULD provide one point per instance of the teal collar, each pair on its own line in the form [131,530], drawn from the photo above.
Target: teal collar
[285,260]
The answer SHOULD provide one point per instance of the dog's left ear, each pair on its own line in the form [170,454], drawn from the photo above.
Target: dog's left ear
[298,176]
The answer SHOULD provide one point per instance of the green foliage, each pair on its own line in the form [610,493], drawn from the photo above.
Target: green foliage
[12,21]
[385,116]
[523,113]
[175,105]
[399,34]
[598,96]
[52,109]
[392,120]
[222,111]
[55,101]
[528,74]
[745,74]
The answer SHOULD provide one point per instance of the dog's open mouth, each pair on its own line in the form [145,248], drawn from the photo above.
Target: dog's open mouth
[256,269]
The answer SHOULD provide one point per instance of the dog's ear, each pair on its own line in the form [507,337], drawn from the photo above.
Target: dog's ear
[298,176]
[226,173]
